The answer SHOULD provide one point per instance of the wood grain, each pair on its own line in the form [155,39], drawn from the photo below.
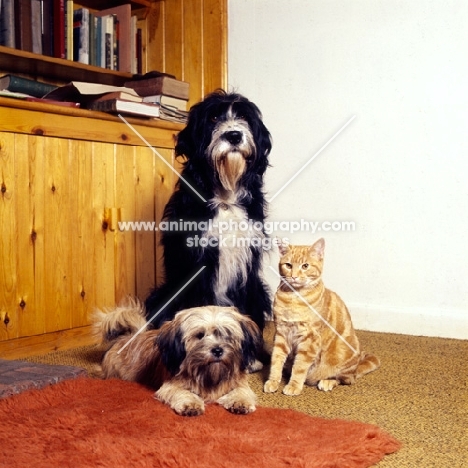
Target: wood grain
[30,174]
[103,187]
[8,223]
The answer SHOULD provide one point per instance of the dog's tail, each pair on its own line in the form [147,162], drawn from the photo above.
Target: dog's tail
[127,318]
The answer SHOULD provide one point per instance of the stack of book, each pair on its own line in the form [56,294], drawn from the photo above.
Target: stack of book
[151,95]
[105,98]
[169,93]
[108,38]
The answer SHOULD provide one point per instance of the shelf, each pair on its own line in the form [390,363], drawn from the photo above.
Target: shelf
[33,118]
[103,4]
[55,69]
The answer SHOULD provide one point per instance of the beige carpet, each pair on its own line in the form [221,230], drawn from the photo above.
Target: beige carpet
[419,395]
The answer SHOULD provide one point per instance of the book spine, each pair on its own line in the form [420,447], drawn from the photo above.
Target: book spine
[69,29]
[133,45]
[47,28]
[77,20]
[23,19]
[36,26]
[59,28]
[109,38]
[115,53]
[33,88]
[83,51]
[139,52]
[99,42]
[8,23]
[92,39]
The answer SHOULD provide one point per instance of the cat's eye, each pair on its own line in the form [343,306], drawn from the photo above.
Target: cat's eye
[288,266]
[305,266]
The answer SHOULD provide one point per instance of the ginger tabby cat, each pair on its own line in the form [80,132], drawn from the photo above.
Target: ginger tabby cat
[325,348]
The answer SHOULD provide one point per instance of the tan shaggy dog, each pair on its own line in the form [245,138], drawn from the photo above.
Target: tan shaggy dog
[199,357]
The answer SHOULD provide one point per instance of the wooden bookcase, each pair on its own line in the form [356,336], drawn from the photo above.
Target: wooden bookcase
[67,176]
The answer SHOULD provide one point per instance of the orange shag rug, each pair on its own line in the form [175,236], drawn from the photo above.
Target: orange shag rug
[94,423]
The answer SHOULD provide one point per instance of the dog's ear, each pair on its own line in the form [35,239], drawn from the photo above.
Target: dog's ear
[193,139]
[171,346]
[252,342]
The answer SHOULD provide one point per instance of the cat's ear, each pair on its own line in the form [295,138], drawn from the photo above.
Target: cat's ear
[283,246]
[318,248]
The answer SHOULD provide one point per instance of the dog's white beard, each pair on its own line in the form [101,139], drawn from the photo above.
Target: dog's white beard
[230,168]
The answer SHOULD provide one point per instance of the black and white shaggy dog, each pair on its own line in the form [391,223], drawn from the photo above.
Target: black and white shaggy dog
[214,219]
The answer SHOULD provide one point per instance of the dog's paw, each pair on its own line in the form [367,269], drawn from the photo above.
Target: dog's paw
[241,407]
[190,409]
[327,385]
[270,386]
[292,389]
[254,366]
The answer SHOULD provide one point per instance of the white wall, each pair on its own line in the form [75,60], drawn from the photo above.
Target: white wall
[398,170]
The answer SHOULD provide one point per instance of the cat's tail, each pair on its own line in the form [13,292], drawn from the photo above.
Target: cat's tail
[368,363]
[127,318]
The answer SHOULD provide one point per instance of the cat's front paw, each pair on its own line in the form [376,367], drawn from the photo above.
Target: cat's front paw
[271,386]
[292,389]
[327,385]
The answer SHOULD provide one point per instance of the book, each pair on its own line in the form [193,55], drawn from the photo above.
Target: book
[168,101]
[122,95]
[139,46]
[169,113]
[117,106]
[92,39]
[133,45]
[59,28]
[69,29]
[53,101]
[122,41]
[25,85]
[27,97]
[7,19]
[163,84]
[48,28]
[79,91]
[107,46]
[23,20]
[36,26]
[81,35]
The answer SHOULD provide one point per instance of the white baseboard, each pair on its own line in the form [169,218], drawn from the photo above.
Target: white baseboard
[444,323]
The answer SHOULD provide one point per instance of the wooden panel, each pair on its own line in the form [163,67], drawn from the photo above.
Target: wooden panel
[30,234]
[195,44]
[82,233]
[103,187]
[57,227]
[153,38]
[173,38]
[193,48]
[125,204]
[214,45]
[145,252]
[164,186]
[8,305]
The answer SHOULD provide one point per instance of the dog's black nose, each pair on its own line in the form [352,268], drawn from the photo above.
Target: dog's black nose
[234,137]
[217,352]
